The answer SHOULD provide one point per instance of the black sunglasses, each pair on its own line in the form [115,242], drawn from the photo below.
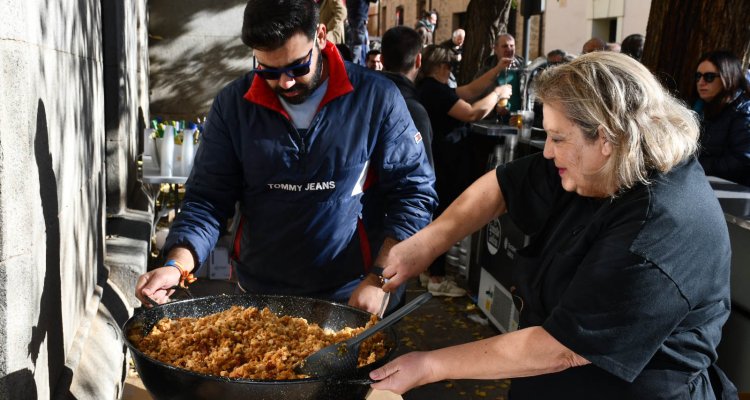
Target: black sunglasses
[293,71]
[708,76]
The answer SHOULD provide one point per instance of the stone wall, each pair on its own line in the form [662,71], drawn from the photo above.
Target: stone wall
[72,75]
[194,50]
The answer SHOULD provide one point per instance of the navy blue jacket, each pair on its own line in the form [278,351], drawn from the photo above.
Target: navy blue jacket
[725,142]
[315,206]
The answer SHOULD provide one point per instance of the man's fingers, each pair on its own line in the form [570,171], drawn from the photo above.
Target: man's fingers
[140,287]
[152,288]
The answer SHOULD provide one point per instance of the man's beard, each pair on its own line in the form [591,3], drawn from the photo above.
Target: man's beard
[304,89]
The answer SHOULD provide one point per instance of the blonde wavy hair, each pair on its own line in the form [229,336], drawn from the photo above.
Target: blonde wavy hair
[432,57]
[612,93]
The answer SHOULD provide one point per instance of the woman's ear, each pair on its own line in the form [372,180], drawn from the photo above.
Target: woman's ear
[606,145]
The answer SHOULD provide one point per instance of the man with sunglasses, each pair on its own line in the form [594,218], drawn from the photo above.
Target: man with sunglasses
[324,160]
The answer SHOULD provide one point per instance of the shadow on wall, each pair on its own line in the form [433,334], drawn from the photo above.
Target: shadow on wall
[80,24]
[50,323]
[21,384]
[183,84]
[189,84]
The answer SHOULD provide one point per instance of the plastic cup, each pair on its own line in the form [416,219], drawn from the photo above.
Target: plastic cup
[526,122]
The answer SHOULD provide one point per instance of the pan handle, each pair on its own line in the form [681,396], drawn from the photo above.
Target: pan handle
[357,381]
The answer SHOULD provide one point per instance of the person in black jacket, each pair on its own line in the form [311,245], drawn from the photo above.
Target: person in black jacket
[724,106]
[401,56]
[450,111]
[456,45]
[632,45]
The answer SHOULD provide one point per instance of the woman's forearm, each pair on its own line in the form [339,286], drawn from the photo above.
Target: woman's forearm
[478,86]
[526,352]
[475,207]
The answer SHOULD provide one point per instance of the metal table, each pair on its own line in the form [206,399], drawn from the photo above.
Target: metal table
[151,178]
[734,349]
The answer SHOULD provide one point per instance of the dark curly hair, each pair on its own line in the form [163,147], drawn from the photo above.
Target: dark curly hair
[268,24]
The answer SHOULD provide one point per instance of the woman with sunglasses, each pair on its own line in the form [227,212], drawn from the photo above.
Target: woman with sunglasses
[724,107]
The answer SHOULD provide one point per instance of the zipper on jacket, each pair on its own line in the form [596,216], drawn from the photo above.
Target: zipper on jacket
[298,138]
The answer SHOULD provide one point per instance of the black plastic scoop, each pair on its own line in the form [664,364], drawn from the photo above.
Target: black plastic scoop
[340,359]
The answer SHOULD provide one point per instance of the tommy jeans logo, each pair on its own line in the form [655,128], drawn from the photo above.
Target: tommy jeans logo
[307,187]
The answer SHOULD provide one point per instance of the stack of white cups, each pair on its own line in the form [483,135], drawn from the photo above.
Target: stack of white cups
[166,151]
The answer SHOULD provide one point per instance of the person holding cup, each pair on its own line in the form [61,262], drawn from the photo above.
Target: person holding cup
[450,111]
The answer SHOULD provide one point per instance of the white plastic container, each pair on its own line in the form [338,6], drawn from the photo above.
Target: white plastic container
[150,158]
[177,168]
[166,156]
[188,150]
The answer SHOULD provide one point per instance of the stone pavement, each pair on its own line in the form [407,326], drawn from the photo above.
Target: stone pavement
[442,322]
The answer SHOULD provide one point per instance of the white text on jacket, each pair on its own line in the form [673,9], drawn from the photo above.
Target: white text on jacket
[311,186]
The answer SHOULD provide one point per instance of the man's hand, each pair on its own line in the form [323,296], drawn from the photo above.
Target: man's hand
[403,373]
[506,63]
[157,285]
[368,295]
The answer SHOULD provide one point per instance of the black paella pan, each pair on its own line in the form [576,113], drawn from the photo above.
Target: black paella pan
[165,382]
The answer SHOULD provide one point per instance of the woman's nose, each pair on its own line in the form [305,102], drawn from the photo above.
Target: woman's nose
[547,152]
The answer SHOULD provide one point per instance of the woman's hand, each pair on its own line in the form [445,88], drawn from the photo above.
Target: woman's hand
[503,93]
[405,260]
[404,373]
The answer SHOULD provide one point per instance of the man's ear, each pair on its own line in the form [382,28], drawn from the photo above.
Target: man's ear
[320,35]
[418,61]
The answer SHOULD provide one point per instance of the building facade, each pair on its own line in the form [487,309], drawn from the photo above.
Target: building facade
[565,24]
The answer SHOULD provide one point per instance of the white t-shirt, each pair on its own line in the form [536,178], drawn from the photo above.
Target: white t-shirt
[302,114]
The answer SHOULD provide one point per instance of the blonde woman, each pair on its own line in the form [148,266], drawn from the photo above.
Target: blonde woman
[624,287]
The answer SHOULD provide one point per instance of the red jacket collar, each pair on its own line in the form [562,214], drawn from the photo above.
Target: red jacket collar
[338,84]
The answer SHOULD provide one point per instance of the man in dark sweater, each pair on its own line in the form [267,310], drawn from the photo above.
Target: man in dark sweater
[401,56]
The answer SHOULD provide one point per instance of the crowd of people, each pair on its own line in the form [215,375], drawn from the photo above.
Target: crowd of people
[625,282]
